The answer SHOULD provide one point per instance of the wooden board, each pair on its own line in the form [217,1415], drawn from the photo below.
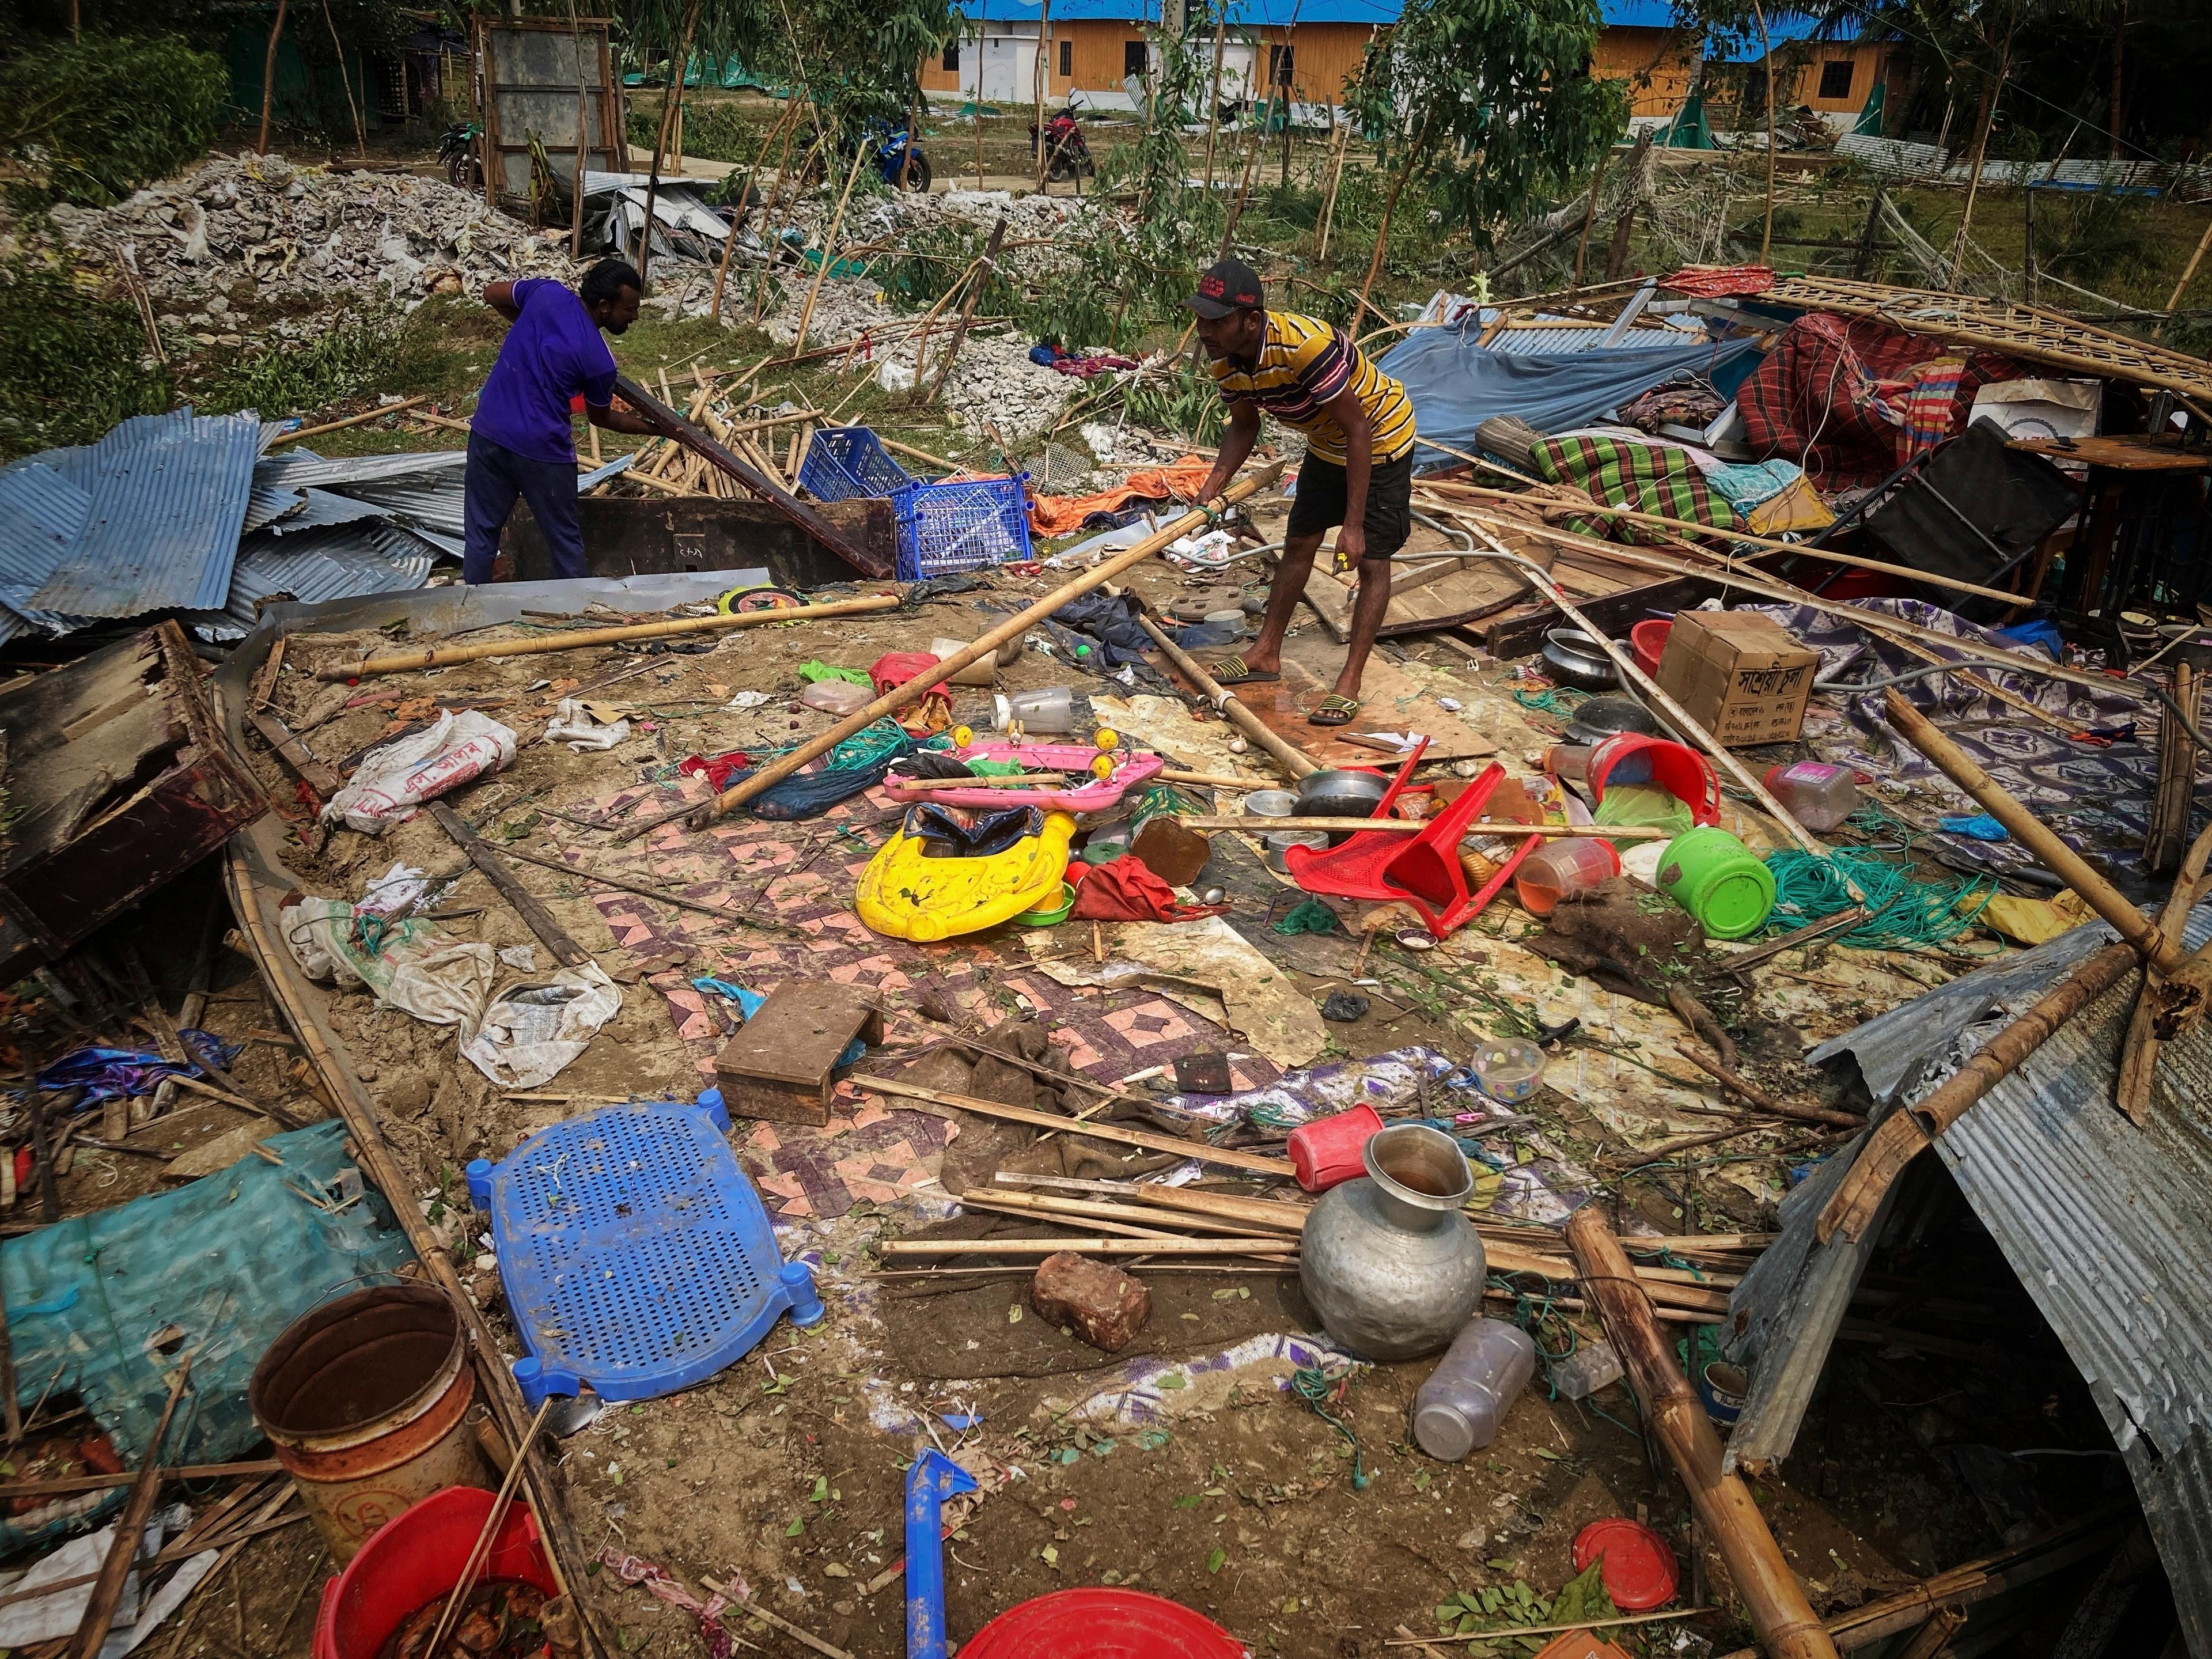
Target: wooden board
[1394,703]
[779,1064]
[2131,452]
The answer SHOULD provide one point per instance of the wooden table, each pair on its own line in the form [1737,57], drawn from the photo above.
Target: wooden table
[2131,476]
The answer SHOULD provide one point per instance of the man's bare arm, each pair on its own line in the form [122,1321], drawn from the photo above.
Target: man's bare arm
[1236,448]
[500,296]
[617,420]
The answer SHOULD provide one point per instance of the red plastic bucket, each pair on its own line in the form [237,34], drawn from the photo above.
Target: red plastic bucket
[1650,641]
[1327,1149]
[1679,769]
[1101,1624]
[416,1557]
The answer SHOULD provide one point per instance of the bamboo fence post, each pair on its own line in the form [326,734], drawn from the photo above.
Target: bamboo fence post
[829,246]
[268,74]
[1787,1626]
[984,267]
[672,107]
[749,198]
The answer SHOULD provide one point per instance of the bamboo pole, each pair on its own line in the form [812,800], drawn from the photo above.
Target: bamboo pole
[984,267]
[2034,834]
[899,697]
[115,1568]
[1680,717]
[350,420]
[1266,1214]
[2139,1050]
[1389,207]
[1343,137]
[671,106]
[1906,1133]
[829,246]
[788,115]
[583,155]
[1786,1624]
[1766,53]
[1252,1163]
[1295,763]
[1254,824]
[1091,1209]
[268,72]
[444,656]
[2188,274]
[1687,528]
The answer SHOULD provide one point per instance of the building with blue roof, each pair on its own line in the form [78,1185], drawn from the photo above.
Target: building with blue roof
[1095,50]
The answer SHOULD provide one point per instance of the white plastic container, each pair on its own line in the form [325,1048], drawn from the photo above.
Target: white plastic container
[1818,797]
[1050,710]
[1592,1366]
[1464,1404]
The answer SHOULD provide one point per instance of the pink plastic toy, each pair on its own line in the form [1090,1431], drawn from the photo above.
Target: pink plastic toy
[1092,795]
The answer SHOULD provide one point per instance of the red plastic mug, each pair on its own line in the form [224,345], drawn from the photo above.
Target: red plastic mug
[1326,1150]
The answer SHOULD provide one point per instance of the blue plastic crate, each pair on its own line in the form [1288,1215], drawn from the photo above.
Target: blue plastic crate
[843,463]
[635,1255]
[963,525]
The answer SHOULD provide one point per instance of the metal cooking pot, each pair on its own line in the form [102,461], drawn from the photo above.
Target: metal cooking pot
[1387,1260]
[1577,659]
[1341,794]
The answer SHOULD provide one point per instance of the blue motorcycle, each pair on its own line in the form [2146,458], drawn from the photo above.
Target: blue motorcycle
[898,160]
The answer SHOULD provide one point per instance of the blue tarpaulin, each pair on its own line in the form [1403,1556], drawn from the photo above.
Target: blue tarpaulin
[1456,385]
[104,1306]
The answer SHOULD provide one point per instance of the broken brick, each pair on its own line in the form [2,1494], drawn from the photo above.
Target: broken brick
[1103,1302]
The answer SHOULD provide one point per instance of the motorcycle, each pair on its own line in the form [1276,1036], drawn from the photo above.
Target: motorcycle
[889,150]
[456,153]
[1067,155]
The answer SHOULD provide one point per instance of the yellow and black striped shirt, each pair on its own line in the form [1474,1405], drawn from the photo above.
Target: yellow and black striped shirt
[1301,364]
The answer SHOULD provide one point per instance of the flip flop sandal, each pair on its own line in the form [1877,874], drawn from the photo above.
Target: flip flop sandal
[1233,671]
[1334,710]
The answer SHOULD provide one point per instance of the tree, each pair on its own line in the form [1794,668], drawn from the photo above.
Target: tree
[1491,100]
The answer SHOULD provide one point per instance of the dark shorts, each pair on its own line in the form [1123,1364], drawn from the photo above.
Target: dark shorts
[1319,504]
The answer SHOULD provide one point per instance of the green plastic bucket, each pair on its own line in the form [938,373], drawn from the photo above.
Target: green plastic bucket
[1713,876]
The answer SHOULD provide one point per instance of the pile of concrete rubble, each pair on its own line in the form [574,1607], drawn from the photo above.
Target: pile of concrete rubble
[295,234]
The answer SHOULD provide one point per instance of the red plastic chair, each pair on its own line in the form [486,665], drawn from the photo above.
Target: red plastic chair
[1426,873]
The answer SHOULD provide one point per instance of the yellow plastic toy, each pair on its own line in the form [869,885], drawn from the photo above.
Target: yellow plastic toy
[906,894]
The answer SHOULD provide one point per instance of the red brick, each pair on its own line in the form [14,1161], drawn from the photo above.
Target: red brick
[1101,1302]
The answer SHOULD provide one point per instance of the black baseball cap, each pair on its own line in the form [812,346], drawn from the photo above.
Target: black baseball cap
[1228,285]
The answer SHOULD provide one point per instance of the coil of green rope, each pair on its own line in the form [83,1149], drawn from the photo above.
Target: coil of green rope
[1903,910]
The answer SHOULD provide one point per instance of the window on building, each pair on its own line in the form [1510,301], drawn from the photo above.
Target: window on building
[1279,66]
[1066,58]
[1136,60]
[1836,78]
[952,58]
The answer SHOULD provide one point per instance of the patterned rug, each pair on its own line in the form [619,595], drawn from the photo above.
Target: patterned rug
[800,876]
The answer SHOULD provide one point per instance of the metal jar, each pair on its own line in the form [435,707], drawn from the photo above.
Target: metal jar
[366,1401]
[1387,1260]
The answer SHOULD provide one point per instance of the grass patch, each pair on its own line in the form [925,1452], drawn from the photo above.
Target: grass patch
[358,358]
[71,364]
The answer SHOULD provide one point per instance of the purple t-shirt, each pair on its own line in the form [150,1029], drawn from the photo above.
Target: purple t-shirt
[552,352]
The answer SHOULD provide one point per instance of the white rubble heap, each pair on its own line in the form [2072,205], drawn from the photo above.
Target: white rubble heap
[293,233]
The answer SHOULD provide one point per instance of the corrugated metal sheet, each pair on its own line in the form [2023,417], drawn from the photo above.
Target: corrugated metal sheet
[1545,336]
[323,508]
[2109,1227]
[269,503]
[338,562]
[439,502]
[41,515]
[169,498]
[298,471]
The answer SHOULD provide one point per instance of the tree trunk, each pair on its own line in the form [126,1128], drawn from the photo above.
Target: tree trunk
[1340,134]
[1590,213]
[1045,36]
[1283,182]
[1981,148]
[1213,102]
[671,111]
[2116,116]
[345,82]
[1766,53]
[1390,206]
[584,156]
[268,74]
[983,23]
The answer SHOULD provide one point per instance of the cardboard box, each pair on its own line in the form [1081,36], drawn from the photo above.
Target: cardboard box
[1739,674]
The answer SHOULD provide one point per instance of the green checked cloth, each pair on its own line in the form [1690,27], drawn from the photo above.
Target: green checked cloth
[1644,477]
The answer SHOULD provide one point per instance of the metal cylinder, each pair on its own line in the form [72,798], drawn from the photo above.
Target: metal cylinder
[365,1399]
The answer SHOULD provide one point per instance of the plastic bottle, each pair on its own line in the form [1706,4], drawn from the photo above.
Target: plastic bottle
[1464,1404]
[1561,868]
[1570,761]
[1592,1366]
[1818,797]
[1049,709]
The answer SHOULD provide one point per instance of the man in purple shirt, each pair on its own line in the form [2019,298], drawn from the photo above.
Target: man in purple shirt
[520,442]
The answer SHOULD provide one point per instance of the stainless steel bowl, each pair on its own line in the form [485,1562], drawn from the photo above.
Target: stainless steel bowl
[1278,841]
[1271,804]
[1578,660]
[1341,794]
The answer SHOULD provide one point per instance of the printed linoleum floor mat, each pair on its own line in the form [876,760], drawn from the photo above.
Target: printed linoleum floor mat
[800,876]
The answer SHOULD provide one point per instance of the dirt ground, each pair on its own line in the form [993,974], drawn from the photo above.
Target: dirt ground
[785,1473]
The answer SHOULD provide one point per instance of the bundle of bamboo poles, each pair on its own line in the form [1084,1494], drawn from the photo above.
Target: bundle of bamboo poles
[776,444]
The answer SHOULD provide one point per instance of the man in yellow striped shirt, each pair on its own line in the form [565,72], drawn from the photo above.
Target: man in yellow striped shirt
[1357,473]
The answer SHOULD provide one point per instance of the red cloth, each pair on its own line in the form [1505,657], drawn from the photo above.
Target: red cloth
[1712,282]
[718,769]
[1832,396]
[1126,890]
[934,712]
